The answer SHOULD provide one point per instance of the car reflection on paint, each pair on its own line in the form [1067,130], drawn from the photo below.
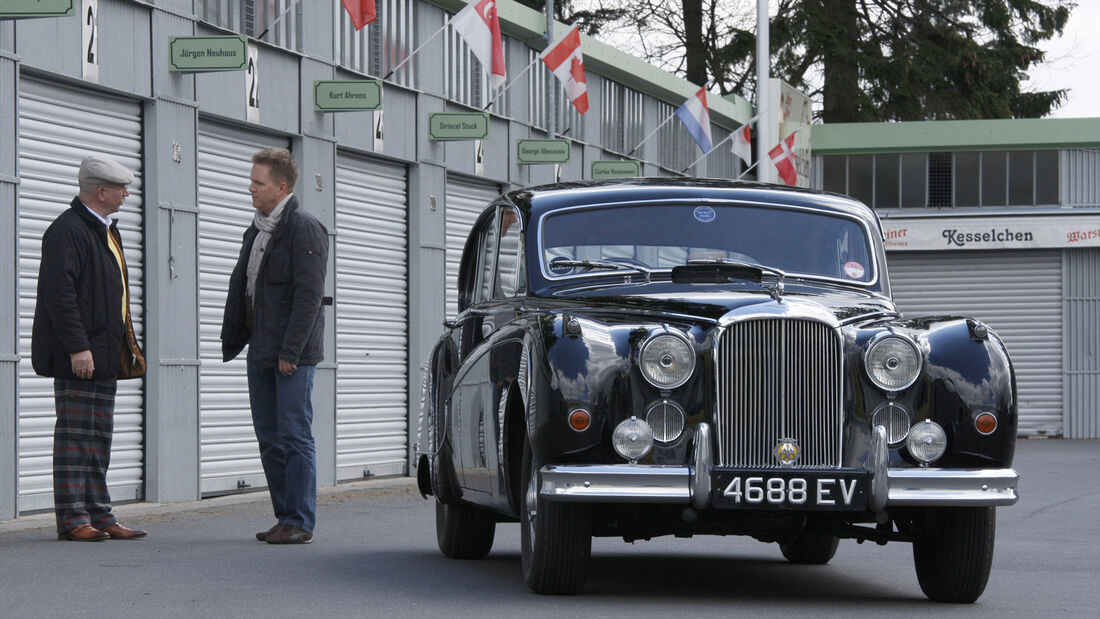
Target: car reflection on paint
[686,357]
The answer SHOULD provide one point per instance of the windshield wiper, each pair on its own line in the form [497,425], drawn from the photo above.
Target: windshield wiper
[775,288]
[600,264]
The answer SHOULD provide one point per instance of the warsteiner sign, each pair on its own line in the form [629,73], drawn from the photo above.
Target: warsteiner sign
[991,233]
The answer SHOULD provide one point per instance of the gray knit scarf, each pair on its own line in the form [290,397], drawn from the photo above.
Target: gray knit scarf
[266,225]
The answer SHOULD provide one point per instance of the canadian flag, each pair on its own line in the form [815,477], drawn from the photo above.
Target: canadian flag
[783,158]
[565,60]
[742,144]
[479,26]
[362,12]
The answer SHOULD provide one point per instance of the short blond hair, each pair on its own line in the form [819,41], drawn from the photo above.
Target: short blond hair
[281,165]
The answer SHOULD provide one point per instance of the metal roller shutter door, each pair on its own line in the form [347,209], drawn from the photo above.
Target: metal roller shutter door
[1019,294]
[371,318]
[229,454]
[465,201]
[58,127]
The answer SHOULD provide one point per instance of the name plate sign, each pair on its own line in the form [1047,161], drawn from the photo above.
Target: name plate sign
[346,95]
[19,9]
[542,151]
[458,126]
[616,169]
[200,54]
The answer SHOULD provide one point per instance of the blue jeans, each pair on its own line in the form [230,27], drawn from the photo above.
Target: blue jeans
[282,415]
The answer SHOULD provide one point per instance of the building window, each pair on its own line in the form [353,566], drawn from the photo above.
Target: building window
[382,45]
[988,179]
[621,126]
[274,21]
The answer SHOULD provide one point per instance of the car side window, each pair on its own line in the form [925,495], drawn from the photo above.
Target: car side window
[510,275]
[483,284]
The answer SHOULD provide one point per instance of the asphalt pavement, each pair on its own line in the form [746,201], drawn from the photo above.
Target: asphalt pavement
[374,555]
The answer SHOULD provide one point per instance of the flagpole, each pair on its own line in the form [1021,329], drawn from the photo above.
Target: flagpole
[509,84]
[420,47]
[746,170]
[732,133]
[651,134]
[278,19]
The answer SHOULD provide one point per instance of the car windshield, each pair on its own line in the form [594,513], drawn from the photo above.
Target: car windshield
[654,237]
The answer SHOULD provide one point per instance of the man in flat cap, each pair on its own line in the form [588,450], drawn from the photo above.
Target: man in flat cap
[84,339]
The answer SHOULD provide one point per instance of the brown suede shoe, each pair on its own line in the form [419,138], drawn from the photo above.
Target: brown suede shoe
[117,531]
[262,535]
[84,533]
[289,535]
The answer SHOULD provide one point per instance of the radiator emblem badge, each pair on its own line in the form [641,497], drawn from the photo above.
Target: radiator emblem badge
[787,451]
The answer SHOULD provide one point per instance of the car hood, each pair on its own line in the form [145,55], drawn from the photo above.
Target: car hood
[716,304]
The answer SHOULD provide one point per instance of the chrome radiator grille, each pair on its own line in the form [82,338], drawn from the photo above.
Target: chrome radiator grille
[779,379]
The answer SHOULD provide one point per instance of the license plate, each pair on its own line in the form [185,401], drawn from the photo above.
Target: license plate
[795,489]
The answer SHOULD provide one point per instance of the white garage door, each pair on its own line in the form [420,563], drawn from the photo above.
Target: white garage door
[229,454]
[466,199]
[1018,294]
[58,127]
[371,318]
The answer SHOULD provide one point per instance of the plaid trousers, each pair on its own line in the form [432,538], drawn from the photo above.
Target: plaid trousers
[82,452]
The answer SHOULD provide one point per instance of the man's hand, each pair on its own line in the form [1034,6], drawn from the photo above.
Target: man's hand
[287,368]
[83,364]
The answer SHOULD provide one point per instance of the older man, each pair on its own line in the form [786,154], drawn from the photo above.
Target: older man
[274,306]
[83,338]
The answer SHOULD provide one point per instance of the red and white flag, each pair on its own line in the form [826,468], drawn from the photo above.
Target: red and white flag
[783,158]
[362,12]
[479,26]
[565,60]
[742,144]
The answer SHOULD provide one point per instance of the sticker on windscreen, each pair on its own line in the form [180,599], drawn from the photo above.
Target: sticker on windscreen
[704,214]
[854,270]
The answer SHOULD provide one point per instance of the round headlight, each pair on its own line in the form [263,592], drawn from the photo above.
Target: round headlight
[927,441]
[895,419]
[632,439]
[893,362]
[666,418]
[667,360]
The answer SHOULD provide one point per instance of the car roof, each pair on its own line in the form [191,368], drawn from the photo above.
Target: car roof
[537,201]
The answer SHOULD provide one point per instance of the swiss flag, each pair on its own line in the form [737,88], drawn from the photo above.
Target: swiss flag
[362,12]
[480,27]
[565,60]
[783,158]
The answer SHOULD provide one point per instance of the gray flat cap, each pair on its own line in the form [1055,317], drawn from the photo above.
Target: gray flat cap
[97,170]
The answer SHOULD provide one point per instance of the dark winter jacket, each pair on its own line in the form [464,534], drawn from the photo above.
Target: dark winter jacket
[79,304]
[288,322]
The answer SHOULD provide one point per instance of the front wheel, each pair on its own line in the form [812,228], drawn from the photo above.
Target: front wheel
[810,549]
[954,553]
[462,531]
[556,538]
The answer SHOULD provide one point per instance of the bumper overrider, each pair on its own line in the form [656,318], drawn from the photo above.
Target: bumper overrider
[878,485]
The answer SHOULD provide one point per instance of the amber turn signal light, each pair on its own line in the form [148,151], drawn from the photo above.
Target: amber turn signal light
[579,420]
[985,423]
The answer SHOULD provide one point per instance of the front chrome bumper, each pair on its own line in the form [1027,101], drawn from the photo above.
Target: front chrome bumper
[889,487]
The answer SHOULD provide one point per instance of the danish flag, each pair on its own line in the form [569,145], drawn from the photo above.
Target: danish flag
[783,158]
[565,60]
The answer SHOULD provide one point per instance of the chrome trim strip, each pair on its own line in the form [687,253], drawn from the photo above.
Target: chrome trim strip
[704,462]
[616,483]
[935,487]
[878,461]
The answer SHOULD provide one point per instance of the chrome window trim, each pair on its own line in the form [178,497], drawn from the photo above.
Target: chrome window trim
[870,235]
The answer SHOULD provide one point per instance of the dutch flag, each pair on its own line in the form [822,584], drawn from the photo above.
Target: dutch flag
[696,117]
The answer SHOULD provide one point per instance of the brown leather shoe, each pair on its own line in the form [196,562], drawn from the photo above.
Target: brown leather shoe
[289,535]
[262,535]
[117,531]
[84,533]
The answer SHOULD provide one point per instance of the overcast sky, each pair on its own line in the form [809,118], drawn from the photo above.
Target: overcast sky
[1073,62]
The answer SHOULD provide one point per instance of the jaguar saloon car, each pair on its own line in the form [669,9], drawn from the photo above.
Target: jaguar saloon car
[653,357]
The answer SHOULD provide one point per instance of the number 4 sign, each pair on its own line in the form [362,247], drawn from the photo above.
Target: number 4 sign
[89,31]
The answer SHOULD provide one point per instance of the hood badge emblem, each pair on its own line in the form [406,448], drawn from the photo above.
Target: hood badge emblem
[787,451]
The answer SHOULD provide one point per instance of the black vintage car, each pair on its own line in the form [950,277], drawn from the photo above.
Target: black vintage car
[678,357]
